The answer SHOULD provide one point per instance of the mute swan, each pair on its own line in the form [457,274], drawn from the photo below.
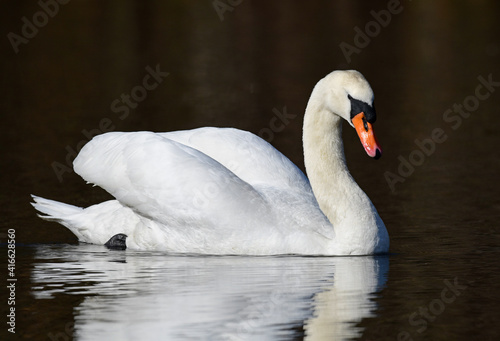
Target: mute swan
[227,191]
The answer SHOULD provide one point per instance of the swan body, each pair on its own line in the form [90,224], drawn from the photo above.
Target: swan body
[227,191]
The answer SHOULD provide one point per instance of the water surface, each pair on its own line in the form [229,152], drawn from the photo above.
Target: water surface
[140,295]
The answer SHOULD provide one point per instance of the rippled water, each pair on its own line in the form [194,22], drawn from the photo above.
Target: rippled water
[139,295]
[435,72]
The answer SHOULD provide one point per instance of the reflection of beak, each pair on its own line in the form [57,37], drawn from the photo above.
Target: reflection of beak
[367,136]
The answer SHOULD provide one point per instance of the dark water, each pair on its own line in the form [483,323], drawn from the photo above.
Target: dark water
[435,72]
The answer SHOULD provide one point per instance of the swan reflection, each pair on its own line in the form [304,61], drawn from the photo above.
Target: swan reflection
[146,295]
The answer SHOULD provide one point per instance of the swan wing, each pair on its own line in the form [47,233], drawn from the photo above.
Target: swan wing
[251,158]
[272,174]
[169,182]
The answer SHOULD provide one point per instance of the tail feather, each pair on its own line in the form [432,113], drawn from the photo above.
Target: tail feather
[95,224]
[52,210]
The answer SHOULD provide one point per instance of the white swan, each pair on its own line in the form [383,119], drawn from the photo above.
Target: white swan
[227,191]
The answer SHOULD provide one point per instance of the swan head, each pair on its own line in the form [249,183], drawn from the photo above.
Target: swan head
[351,97]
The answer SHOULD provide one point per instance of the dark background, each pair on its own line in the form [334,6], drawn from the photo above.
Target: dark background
[233,69]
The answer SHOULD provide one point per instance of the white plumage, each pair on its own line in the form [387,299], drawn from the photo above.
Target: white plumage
[225,191]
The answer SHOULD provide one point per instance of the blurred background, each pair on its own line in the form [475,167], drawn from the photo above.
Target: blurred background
[72,70]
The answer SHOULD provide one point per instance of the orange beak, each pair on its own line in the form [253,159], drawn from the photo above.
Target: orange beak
[367,136]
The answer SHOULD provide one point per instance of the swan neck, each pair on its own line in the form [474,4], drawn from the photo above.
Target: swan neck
[332,184]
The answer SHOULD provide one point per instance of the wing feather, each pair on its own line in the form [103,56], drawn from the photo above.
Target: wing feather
[167,181]
[248,156]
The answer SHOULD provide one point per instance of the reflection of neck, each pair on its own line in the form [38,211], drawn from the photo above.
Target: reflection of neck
[347,301]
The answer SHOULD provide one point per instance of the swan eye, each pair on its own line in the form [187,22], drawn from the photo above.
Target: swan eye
[358,106]
[365,124]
